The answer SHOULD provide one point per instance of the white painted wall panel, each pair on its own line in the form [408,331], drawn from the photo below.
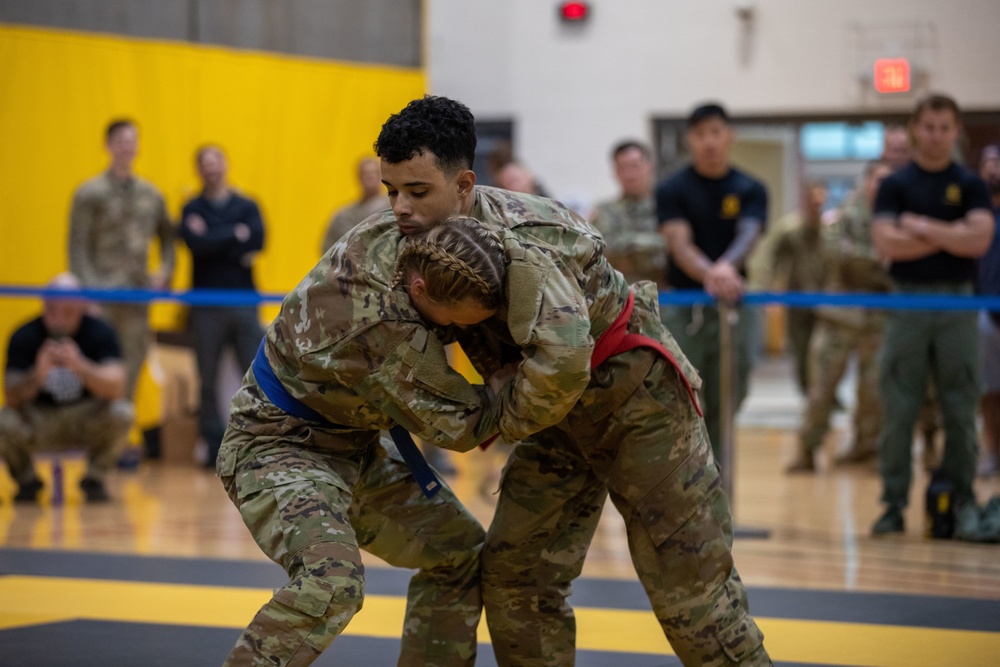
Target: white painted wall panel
[574,92]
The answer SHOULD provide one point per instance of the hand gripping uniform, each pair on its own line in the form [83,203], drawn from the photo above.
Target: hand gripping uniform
[356,358]
[628,426]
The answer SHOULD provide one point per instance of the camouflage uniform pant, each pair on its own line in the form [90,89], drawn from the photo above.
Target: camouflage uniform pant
[829,353]
[97,426]
[800,326]
[696,329]
[311,507]
[131,322]
[918,344]
[640,439]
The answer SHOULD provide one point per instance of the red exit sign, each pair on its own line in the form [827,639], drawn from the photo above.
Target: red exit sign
[892,75]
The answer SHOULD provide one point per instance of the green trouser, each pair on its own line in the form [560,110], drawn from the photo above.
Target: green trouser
[832,345]
[131,323]
[636,436]
[801,324]
[942,344]
[100,427]
[696,329]
[313,497]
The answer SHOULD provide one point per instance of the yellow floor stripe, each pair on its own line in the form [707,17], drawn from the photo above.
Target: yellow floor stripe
[29,600]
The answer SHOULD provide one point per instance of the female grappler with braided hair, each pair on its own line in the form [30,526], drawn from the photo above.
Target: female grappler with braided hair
[454,273]
[350,355]
[603,405]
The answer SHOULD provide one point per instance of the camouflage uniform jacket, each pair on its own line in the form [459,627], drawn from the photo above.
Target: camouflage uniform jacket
[634,244]
[561,294]
[798,260]
[350,348]
[853,265]
[111,225]
[349,216]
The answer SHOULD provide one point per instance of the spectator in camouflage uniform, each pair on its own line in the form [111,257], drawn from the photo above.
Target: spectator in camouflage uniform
[348,356]
[372,201]
[517,177]
[896,148]
[591,416]
[628,224]
[799,267]
[852,265]
[114,217]
[64,385]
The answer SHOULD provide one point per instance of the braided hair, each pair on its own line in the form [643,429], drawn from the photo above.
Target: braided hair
[458,259]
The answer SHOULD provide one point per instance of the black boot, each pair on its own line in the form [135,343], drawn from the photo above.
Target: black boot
[93,490]
[890,522]
[28,491]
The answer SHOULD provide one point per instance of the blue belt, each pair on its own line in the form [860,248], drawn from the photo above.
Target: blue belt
[277,394]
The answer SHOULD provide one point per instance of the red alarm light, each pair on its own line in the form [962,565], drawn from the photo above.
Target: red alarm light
[892,75]
[574,12]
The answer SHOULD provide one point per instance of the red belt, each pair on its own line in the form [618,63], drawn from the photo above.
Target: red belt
[615,340]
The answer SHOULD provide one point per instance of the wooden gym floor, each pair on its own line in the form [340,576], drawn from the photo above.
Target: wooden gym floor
[168,575]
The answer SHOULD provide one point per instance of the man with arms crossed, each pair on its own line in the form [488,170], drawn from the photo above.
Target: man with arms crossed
[224,232]
[931,220]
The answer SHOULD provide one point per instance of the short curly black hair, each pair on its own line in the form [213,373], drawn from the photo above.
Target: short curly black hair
[442,126]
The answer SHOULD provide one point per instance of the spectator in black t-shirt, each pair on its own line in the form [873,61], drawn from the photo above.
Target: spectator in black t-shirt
[931,220]
[988,283]
[225,232]
[710,214]
[65,386]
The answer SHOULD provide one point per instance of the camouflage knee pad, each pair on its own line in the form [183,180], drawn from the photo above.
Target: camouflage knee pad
[306,614]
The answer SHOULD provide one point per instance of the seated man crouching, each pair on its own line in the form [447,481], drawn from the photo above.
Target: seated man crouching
[64,386]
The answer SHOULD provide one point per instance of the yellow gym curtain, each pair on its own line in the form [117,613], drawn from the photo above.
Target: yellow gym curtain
[293,127]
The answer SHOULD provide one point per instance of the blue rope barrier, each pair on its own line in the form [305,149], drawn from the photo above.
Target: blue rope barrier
[195,297]
[877,301]
[210,297]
